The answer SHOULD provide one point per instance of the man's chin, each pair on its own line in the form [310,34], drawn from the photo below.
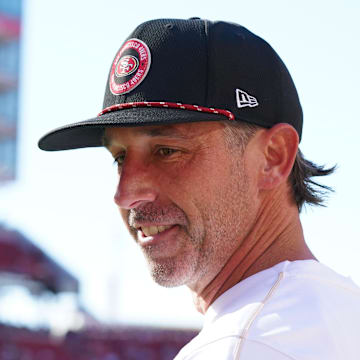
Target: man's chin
[167,276]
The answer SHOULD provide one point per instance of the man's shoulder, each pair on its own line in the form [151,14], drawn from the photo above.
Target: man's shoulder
[312,306]
[285,311]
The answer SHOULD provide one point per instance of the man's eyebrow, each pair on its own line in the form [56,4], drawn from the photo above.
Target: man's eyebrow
[158,131]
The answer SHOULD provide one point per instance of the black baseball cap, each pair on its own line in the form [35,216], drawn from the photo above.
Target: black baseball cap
[176,71]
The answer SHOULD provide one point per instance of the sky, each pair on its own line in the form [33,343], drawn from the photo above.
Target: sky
[63,201]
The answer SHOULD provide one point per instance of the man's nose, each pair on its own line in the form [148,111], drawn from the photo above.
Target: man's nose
[136,185]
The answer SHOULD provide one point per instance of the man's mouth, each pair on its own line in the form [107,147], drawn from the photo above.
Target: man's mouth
[153,230]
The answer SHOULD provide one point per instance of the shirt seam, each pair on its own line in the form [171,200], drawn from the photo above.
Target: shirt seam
[251,320]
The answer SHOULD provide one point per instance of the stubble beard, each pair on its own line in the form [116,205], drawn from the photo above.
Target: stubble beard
[210,242]
[226,224]
[182,269]
[174,270]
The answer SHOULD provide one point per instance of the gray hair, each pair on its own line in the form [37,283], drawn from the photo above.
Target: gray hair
[305,189]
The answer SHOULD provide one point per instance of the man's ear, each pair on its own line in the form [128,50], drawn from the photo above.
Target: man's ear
[280,145]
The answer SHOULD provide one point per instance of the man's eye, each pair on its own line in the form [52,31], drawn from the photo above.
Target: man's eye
[166,151]
[119,160]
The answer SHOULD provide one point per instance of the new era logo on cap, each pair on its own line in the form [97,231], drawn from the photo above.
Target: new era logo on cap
[243,99]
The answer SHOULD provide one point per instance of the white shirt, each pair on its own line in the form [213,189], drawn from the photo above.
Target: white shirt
[299,310]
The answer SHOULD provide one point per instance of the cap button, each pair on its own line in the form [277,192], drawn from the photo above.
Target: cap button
[195,18]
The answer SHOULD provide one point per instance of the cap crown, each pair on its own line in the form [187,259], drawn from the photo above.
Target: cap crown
[214,64]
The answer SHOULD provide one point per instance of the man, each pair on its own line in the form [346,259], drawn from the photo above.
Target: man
[204,121]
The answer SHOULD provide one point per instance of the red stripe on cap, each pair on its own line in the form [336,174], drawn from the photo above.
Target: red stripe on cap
[165,104]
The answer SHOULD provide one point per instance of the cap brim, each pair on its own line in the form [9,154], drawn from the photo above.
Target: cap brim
[89,133]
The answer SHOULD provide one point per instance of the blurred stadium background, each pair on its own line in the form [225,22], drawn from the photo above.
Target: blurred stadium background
[46,289]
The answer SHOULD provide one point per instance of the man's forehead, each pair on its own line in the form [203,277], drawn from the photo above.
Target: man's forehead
[177,131]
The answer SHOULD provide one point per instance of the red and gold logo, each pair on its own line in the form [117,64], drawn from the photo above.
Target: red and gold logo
[130,67]
[126,66]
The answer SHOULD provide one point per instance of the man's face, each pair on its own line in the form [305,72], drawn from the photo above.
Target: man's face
[185,195]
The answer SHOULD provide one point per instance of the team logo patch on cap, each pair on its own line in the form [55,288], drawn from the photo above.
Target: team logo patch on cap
[130,67]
